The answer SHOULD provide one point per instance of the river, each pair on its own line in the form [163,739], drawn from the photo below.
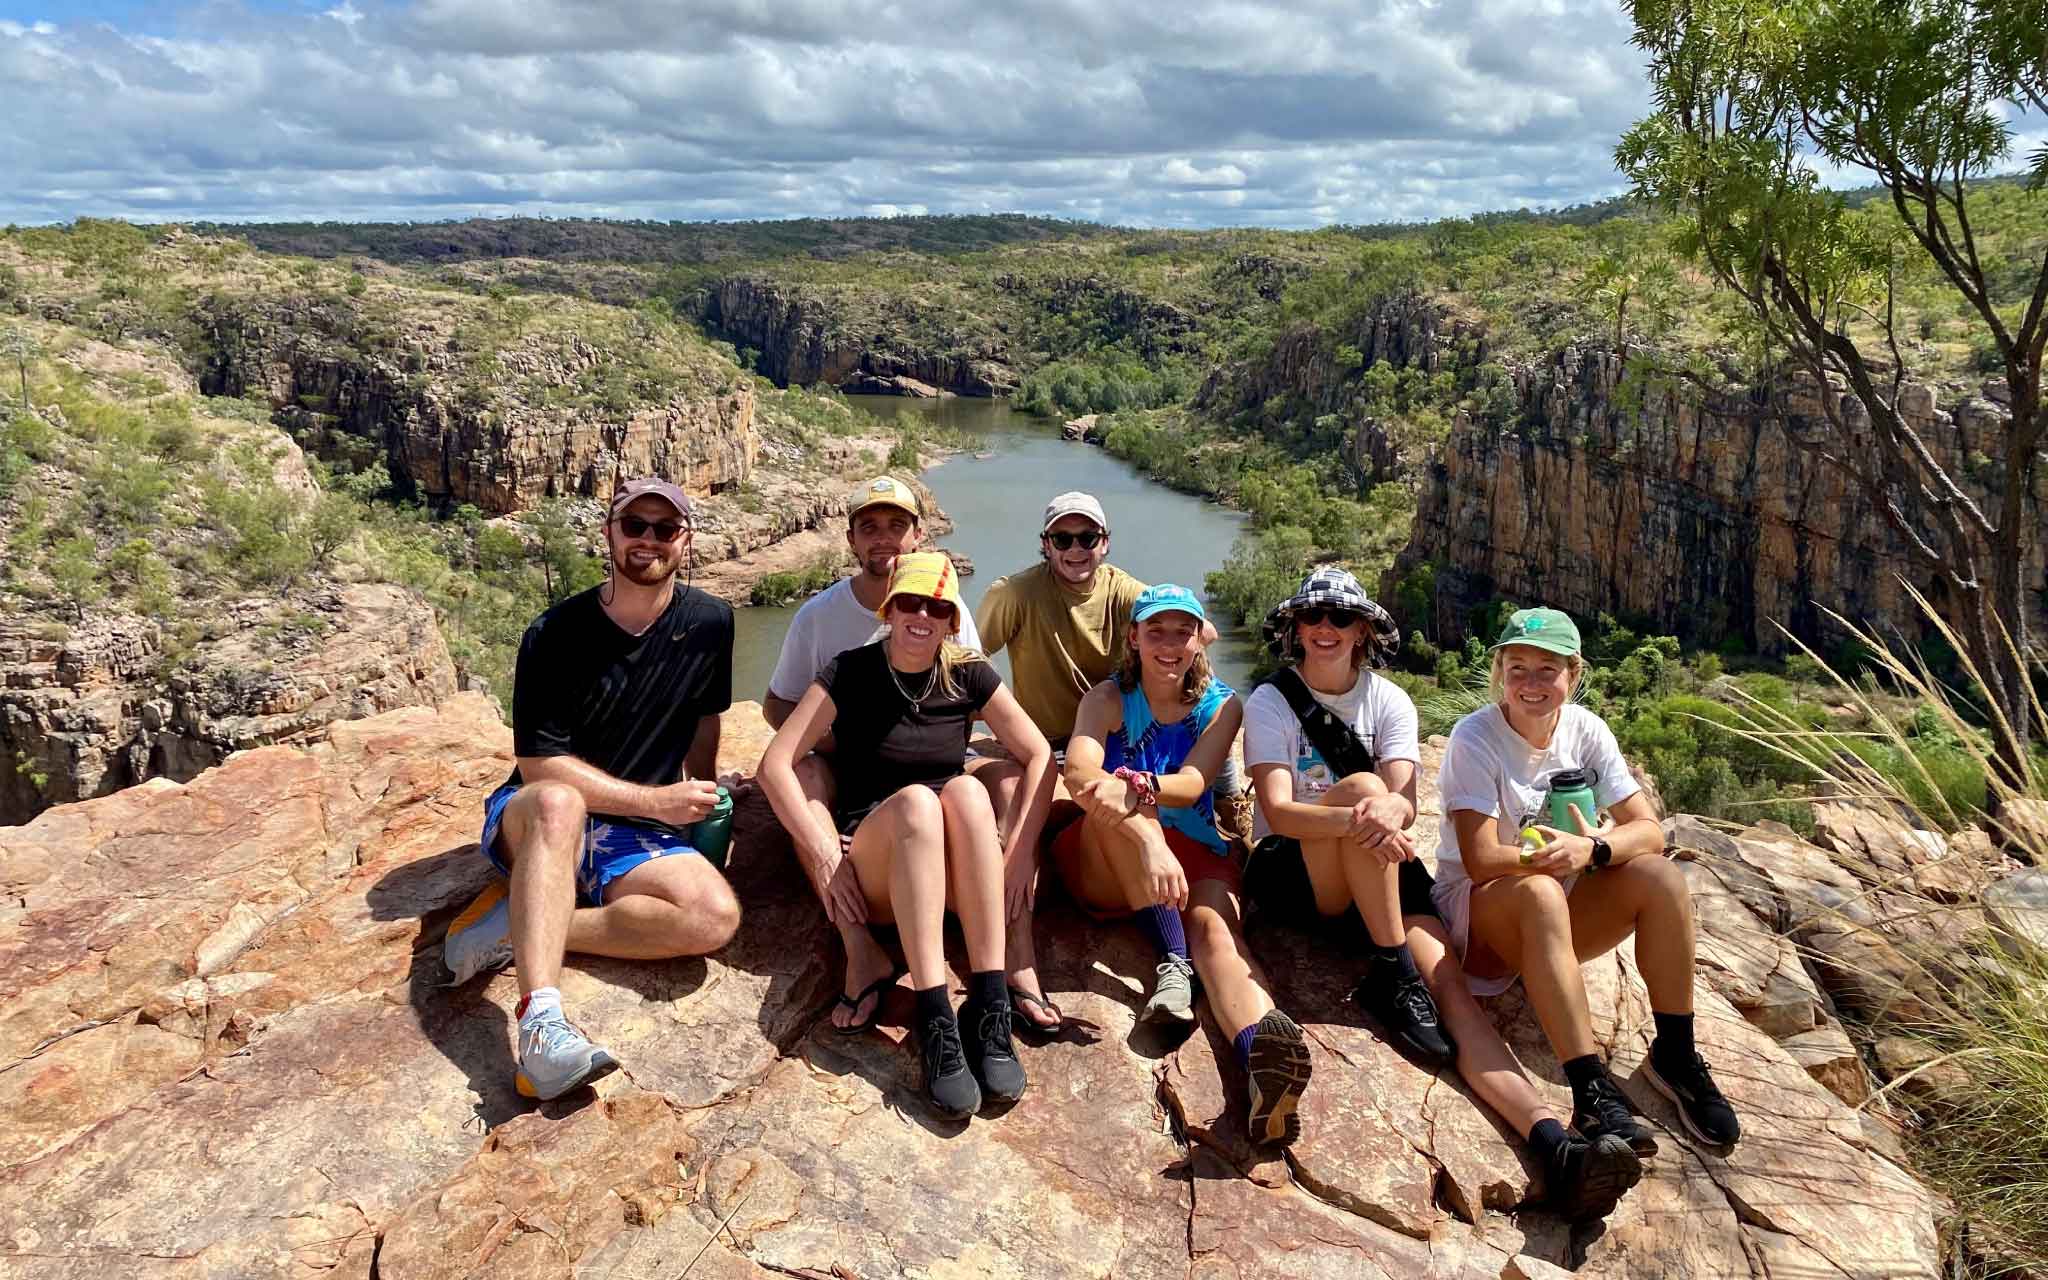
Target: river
[996,502]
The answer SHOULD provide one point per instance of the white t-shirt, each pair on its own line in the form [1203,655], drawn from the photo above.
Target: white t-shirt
[827,625]
[1490,769]
[1379,711]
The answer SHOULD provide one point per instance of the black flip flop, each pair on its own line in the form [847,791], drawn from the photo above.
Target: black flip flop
[1020,1023]
[876,989]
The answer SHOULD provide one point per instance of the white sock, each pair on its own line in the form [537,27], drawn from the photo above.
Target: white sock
[540,1001]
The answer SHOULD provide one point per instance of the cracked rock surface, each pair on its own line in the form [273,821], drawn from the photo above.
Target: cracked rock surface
[225,1050]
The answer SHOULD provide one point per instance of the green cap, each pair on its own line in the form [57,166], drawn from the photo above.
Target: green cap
[1548,629]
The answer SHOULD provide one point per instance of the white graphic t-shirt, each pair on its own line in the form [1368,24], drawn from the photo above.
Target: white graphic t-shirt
[1490,769]
[1379,711]
[827,625]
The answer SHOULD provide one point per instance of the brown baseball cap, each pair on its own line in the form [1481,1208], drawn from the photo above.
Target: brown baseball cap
[883,491]
[651,487]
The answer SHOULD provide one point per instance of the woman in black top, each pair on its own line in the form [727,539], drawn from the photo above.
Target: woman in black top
[922,835]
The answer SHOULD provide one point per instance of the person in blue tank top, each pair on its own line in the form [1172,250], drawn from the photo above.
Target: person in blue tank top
[1145,747]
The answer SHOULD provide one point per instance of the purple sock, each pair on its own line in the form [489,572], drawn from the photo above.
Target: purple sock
[1242,1042]
[1162,925]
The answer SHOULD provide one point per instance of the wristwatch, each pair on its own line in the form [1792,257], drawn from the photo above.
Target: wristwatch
[1603,853]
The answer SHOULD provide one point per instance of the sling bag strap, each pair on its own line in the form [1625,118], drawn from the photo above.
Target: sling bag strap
[1337,742]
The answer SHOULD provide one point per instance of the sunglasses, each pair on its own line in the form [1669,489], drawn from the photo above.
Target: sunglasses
[1063,540]
[1316,615]
[938,610]
[663,530]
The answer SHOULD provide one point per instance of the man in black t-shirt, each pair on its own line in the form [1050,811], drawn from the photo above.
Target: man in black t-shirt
[615,708]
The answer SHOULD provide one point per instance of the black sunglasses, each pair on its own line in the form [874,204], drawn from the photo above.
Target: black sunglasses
[663,530]
[1316,615]
[939,610]
[1063,540]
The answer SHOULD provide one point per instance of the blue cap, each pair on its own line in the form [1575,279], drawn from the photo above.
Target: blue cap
[1165,597]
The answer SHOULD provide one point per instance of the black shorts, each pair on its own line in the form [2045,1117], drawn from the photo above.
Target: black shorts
[849,819]
[1276,881]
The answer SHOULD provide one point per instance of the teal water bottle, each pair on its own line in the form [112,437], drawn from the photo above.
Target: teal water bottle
[1573,789]
[711,835]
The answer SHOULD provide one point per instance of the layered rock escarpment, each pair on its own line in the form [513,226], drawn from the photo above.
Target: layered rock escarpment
[88,710]
[225,1049]
[534,419]
[1703,514]
[806,337]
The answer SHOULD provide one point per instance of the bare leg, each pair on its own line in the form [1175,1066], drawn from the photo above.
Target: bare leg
[1484,1059]
[1215,928]
[974,868]
[899,852]
[1004,779]
[1109,872]
[866,961]
[1344,873]
[1649,898]
[541,835]
[1527,921]
[674,906]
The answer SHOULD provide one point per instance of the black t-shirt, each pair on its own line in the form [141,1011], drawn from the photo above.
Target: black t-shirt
[881,743]
[626,704]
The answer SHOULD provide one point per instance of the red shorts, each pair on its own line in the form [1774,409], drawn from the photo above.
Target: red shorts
[1197,860]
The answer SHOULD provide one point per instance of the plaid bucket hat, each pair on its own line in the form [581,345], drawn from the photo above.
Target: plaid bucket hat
[1333,588]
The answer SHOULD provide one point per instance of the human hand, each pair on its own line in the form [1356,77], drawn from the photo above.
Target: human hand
[681,803]
[1020,886]
[1376,828]
[1567,852]
[1108,798]
[1168,883]
[844,902]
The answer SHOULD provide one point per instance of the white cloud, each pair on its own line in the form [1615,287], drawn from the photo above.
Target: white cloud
[1208,112]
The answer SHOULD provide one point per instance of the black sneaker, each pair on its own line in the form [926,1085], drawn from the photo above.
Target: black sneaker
[1690,1086]
[1602,1108]
[1279,1069]
[1406,1010]
[947,1081]
[1586,1179]
[990,1054]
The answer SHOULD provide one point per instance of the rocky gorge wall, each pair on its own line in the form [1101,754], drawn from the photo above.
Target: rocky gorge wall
[419,407]
[1703,514]
[805,339]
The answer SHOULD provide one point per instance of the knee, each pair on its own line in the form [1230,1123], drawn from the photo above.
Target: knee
[1355,787]
[557,813]
[917,810]
[1206,929]
[1540,904]
[1661,880]
[815,777]
[1000,778]
[718,914]
[966,800]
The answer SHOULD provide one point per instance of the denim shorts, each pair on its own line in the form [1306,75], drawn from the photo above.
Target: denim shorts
[611,847]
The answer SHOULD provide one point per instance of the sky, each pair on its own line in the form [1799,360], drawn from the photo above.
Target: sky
[1170,113]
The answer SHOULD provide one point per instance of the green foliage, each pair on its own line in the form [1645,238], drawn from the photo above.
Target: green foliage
[1102,383]
[74,571]
[796,585]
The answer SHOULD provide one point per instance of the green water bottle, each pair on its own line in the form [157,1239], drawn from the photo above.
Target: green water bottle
[1573,789]
[711,835]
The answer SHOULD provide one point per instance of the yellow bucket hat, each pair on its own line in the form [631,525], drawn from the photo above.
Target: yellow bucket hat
[925,573]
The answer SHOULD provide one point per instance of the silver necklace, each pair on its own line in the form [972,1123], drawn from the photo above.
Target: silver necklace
[931,682]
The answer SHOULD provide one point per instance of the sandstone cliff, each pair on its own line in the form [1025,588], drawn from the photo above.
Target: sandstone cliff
[807,335]
[225,1050]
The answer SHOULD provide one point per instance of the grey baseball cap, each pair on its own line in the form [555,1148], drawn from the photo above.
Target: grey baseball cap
[1075,503]
[651,487]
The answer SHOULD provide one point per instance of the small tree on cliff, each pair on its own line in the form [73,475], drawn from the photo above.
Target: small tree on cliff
[1918,95]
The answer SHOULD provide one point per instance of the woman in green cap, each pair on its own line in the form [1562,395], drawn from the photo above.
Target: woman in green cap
[1531,887]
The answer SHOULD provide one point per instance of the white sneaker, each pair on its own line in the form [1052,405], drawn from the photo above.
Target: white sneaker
[554,1057]
[480,939]
[1173,993]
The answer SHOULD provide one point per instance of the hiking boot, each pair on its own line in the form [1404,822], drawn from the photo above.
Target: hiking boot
[1602,1108]
[1405,1009]
[555,1057]
[990,1054]
[1278,1069]
[1586,1179]
[947,1081]
[480,939]
[1690,1086]
[1173,992]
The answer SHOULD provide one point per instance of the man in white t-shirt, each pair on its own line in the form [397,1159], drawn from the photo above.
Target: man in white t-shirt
[883,520]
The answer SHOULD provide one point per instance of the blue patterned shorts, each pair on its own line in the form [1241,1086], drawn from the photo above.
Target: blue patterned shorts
[611,847]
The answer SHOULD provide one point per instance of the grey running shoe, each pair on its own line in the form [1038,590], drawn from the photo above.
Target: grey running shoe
[480,939]
[1173,992]
[554,1058]
[1279,1068]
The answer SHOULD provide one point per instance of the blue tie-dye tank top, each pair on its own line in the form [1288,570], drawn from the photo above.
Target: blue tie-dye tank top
[1146,744]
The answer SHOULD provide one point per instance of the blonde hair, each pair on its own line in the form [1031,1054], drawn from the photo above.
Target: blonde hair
[952,655]
[1192,681]
[1496,678]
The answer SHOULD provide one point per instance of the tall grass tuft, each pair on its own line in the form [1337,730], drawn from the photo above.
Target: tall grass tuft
[1985,1145]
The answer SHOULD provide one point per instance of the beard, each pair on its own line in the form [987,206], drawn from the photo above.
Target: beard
[661,570]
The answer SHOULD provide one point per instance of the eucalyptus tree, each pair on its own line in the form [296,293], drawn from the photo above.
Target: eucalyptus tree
[1753,98]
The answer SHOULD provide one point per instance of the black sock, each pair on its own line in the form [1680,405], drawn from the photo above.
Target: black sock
[1583,1071]
[986,990]
[1396,955]
[1546,1140]
[1674,1038]
[932,1002]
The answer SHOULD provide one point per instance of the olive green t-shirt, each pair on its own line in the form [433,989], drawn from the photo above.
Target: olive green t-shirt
[1063,642]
